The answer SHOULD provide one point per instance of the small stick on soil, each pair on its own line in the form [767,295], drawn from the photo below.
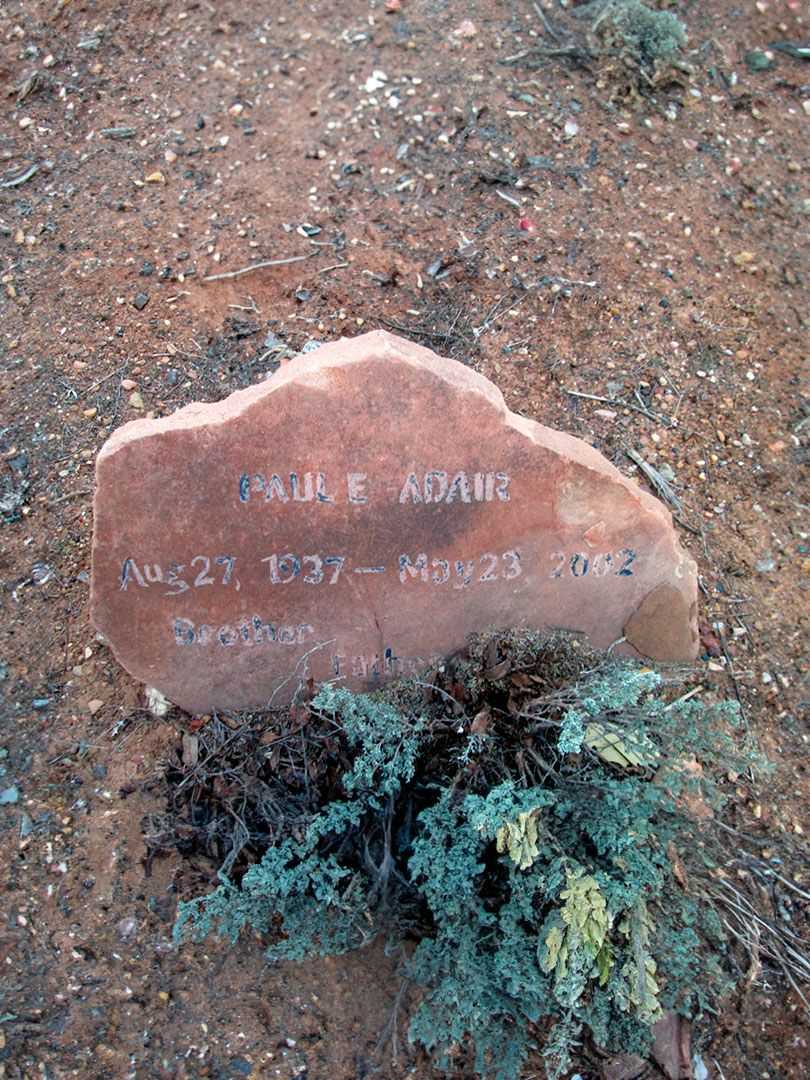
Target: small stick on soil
[334,266]
[101,382]
[118,133]
[230,274]
[493,312]
[242,307]
[574,51]
[661,485]
[549,29]
[617,401]
[733,676]
[32,170]
[508,198]
[684,697]
[299,668]
[572,281]
[689,528]
[70,495]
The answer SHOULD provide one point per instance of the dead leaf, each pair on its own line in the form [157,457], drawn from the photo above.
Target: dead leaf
[678,869]
[498,671]
[191,750]
[671,1050]
[691,802]
[481,721]
[624,1067]
[459,692]
[605,740]
[709,640]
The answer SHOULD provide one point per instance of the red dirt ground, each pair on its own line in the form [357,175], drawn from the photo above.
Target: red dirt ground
[652,251]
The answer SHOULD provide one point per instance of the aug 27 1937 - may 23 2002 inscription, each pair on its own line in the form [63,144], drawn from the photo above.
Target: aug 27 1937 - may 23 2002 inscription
[230,576]
[325,568]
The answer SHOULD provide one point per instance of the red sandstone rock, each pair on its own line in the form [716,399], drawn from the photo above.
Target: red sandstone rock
[358,515]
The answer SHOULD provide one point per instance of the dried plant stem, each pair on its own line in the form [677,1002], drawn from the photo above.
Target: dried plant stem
[228,275]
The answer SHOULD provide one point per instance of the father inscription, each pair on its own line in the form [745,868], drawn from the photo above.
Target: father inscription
[355,517]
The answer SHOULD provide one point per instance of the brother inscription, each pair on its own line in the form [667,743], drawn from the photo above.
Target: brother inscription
[355,517]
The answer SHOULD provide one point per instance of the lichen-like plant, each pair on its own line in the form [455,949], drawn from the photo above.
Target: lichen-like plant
[649,36]
[529,822]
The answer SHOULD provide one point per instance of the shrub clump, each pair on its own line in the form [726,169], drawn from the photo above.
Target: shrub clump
[651,37]
[527,817]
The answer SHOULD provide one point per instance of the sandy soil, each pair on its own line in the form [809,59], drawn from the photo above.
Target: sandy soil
[539,219]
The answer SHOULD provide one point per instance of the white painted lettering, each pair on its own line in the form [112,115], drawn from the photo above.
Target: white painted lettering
[274,489]
[419,568]
[356,483]
[441,571]
[184,632]
[321,493]
[129,571]
[410,490]
[459,488]
[299,494]
[435,486]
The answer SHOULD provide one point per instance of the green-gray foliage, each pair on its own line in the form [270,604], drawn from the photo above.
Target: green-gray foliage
[649,35]
[534,866]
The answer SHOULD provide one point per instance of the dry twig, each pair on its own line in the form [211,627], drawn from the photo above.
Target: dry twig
[230,274]
[662,486]
[15,181]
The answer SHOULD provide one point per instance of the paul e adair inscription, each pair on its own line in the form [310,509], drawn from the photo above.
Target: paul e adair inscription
[409,509]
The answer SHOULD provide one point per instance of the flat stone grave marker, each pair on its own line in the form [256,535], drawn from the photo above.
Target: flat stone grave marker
[357,516]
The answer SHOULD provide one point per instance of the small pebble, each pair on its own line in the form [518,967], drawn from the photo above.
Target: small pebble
[756,60]
[156,703]
[466,29]
[141,300]
[41,573]
[135,400]
[126,928]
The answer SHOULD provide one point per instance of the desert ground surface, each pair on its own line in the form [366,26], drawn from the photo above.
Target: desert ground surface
[625,257]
